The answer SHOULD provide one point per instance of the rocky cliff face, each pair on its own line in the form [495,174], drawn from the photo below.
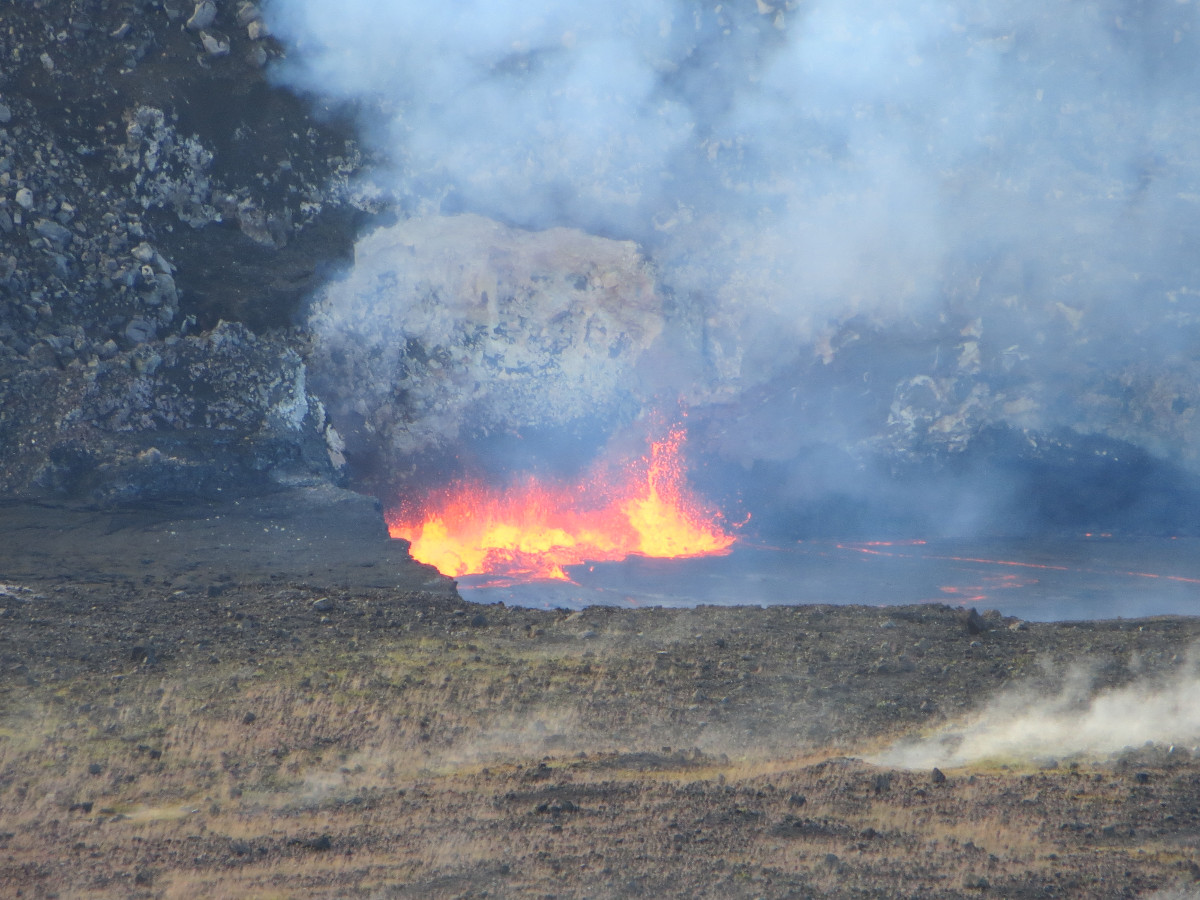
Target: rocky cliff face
[225,410]
[153,189]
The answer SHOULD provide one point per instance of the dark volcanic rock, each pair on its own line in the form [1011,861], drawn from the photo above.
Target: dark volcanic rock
[185,417]
[150,189]
[973,622]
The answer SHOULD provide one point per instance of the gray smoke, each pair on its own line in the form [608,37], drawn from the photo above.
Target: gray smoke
[1016,183]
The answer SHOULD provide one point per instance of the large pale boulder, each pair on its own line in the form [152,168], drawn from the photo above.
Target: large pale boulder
[448,327]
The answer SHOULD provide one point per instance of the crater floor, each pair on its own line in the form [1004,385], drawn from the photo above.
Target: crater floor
[267,698]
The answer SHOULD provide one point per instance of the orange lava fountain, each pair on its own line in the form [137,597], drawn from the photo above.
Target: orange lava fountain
[533,530]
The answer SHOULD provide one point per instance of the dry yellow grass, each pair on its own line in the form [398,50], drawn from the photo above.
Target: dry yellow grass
[523,761]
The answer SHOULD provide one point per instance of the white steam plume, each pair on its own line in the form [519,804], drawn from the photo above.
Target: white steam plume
[874,135]
[1021,726]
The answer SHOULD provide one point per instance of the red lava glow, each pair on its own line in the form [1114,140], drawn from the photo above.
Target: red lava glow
[1003,562]
[533,530]
[964,595]
[983,585]
[871,547]
[1167,577]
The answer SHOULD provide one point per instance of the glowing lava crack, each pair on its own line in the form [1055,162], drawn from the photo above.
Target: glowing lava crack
[534,530]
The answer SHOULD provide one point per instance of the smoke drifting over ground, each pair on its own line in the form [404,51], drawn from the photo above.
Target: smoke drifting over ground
[1023,725]
[893,226]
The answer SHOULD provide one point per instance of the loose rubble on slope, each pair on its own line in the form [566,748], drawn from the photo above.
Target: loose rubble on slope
[153,187]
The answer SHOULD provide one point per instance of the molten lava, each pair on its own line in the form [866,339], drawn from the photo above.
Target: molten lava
[534,530]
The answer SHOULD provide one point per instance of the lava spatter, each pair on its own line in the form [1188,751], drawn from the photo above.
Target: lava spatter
[534,529]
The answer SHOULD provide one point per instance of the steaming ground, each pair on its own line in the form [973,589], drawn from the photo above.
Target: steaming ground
[1022,724]
[894,228]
